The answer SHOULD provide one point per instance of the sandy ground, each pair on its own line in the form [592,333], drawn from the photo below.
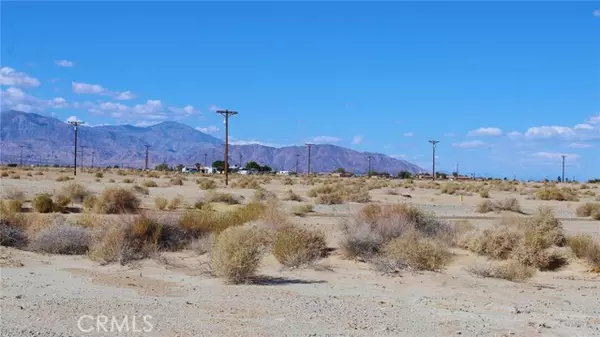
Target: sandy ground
[45,295]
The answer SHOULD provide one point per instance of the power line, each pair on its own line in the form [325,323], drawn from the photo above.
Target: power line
[76,125]
[309,146]
[226,114]
[433,143]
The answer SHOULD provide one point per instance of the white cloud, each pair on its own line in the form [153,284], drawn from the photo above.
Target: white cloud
[124,96]
[323,139]
[209,129]
[485,132]
[357,140]
[470,144]
[144,124]
[556,155]
[596,12]
[234,141]
[58,102]
[398,156]
[409,134]
[580,145]
[549,132]
[64,63]
[514,134]
[152,110]
[72,119]
[17,99]
[594,119]
[13,78]
[213,108]
[85,88]
[583,127]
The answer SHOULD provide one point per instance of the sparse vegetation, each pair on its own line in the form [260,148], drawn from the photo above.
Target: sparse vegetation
[509,270]
[175,203]
[176,181]
[301,210]
[62,239]
[228,198]
[161,203]
[554,193]
[43,203]
[290,195]
[586,248]
[295,247]
[99,175]
[508,204]
[75,191]
[63,178]
[117,200]
[207,184]
[149,183]
[588,209]
[143,190]
[128,181]
[416,252]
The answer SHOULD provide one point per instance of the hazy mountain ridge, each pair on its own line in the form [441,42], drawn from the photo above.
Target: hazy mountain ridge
[49,140]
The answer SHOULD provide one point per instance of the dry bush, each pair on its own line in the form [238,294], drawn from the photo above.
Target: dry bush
[111,180]
[206,184]
[15,206]
[533,255]
[508,204]
[10,215]
[417,252]
[509,270]
[4,174]
[287,181]
[228,198]
[586,248]
[61,203]
[545,225]
[12,236]
[202,245]
[301,210]
[99,175]
[176,181]
[365,233]
[62,239]
[262,194]
[329,199]
[272,217]
[498,242]
[143,190]
[554,193]
[43,203]
[149,183]
[75,191]
[295,247]
[89,202]
[237,252]
[450,188]
[152,174]
[161,203]
[486,206]
[587,209]
[15,176]
[63,178]
[117,200]
[392,192]
[290,195]
[246,182]
[128,181]
[175,203]
[200,222]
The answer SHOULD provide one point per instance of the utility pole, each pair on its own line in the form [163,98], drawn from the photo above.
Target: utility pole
[205,164]
[76,125]
[21,158]
[240,160]
[297,161]
[309,146]
[457,170]
[146,164]
[563,168]
[93,154]
[226,114]
[433,143]
[370,157]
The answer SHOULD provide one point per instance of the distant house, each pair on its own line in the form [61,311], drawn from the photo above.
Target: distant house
[208,170]
[189,170]
[284,173]
[424,176]
[248,171]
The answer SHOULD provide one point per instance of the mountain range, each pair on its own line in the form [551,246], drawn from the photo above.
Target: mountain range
[45,140]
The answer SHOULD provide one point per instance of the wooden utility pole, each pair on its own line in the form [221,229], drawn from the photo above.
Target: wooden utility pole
[563,168]
[205,164]
[93,155]
[146,164]
[76,125]
[226,114]
[297,161]
[433,143]
[21,158]
[369,157]
[240,160]
[309,147]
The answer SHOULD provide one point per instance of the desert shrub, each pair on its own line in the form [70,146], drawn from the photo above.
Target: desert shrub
[128,181]
[288,181]
[111,180]
[301,210]
[15,176]
[152,174]
[485,206]
[497,242]
[508,204]
[15,206]
[450,188]
[554,193]
[484,194]
[175,203]
[61,203]
[141,239]
[365,233]
[63,178]
[391,192]
[149,183]
[290,195]
[161,203]
[62,239]
[99,175]
[204,221]
[545,225]
[228,198]
[207,184]
[14,194]
[202,245]
[89,202]
[4,174]
[263,194]
[12,236]
[585,247]
[587,209]
[143,190]
[295,247]
[117,200]
[75,191]
[176,181]
[10,214]
[533,255]
[237,252]
[418,253]
[329,199]
[513,271]
[246,182]
[43,203]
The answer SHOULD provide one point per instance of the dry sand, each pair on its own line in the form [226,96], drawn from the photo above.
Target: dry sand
[44,295]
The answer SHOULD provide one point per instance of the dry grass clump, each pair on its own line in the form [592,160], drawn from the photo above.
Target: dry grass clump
[43,203]
[586,248]
[508,204]
[237,252]
[367,233]
[588,209]
[175,203]
[510,270]
[206,184]
[337,193]
[417,252]
[176,181]
[10,213]
[117,200]
[128,181]
[295,247]
[246,182]
[143,190]
[99,175]
[290,195]
[11,235]
[4,174]
[301,210]
[152,174]
[149,183]
[161,203]
[228,198]
[330,199]
[75,191]
[554,193]
[205,221]
[89,202]
[63,178]
[262,194]
[62,239]
[287,181]
[450,188]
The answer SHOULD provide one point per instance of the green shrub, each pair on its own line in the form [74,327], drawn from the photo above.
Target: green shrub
[43,203]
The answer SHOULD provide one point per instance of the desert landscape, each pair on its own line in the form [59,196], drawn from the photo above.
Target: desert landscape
[268,255]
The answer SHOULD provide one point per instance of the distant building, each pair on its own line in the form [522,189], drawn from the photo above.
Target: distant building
[189,170]
[424,176]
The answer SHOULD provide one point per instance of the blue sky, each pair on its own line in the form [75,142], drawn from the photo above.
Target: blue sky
[507,87]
